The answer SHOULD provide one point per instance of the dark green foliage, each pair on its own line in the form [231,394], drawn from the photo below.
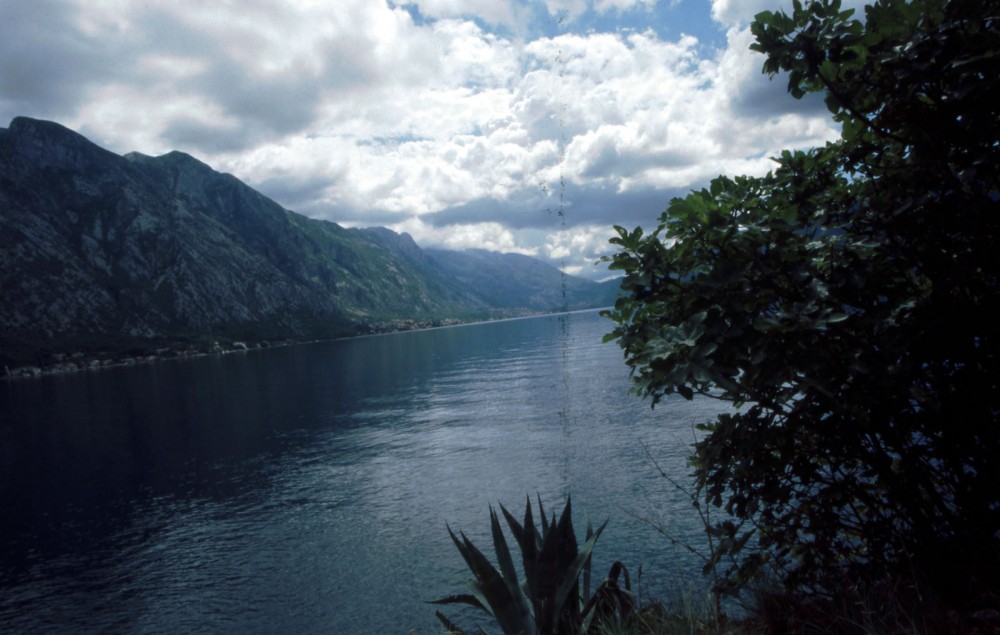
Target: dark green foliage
[550,600]
[846,302]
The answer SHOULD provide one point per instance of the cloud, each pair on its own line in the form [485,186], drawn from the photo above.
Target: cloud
[747,93]
[47,61]
[479,235]
[572,9]
[578,247]
[742,12]
[490,11]
[460,123]
[534,222]
[566,9]
[622,5]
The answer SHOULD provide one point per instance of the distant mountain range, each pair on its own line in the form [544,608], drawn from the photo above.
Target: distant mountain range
[109,254]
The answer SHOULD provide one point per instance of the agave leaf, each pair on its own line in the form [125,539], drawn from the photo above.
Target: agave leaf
[541,514]
[533,538]
[455,629]
[527,539]
[501,548]
[461,598]
[502,606]
[492,591]
[521,533]
[482,569]
[486,576]
[572,574]
[549,600]
[516,529]
[531,600]
[480,566]
[518,601]
[476,589]
[529,523]
[561,539]
[558,552]
[462,549]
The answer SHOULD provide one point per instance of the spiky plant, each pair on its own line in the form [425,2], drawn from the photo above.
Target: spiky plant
[550,600]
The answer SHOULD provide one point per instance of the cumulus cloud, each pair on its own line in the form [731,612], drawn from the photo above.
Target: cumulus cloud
[47,59]
[622,5]
[490,11]
[742,12]
[449,120]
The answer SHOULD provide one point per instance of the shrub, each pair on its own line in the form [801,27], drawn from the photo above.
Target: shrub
[550,600]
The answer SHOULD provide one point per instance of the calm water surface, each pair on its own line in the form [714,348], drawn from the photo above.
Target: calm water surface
[306,489]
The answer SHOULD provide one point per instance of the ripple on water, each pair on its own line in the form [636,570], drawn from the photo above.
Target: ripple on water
[307,489]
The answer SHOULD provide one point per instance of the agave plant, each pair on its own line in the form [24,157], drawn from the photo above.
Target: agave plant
[550,600]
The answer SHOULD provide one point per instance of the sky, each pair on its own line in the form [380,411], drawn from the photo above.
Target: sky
[527,126]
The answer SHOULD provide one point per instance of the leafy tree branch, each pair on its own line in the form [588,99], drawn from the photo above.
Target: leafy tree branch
[843,302]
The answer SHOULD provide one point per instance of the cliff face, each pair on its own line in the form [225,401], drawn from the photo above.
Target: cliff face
[97,247]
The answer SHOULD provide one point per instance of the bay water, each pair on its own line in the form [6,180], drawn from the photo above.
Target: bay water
[307,488]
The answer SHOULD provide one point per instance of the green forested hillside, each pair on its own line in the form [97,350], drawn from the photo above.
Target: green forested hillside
[100,251]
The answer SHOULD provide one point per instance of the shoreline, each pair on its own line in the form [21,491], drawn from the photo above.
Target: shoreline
[78,362]
[72,363]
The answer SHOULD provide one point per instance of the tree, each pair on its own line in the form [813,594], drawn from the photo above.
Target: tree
[845,303]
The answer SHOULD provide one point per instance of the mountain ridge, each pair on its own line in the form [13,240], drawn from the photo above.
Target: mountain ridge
[135,252]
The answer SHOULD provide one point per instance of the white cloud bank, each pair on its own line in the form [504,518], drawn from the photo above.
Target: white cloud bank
[457,122]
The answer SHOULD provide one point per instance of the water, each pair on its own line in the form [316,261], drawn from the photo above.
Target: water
[306,489]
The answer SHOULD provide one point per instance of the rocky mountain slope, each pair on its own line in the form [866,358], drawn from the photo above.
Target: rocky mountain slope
[101,251]
[525,281]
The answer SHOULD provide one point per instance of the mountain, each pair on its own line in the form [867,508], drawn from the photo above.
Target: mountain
[526,280]
[102,252]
